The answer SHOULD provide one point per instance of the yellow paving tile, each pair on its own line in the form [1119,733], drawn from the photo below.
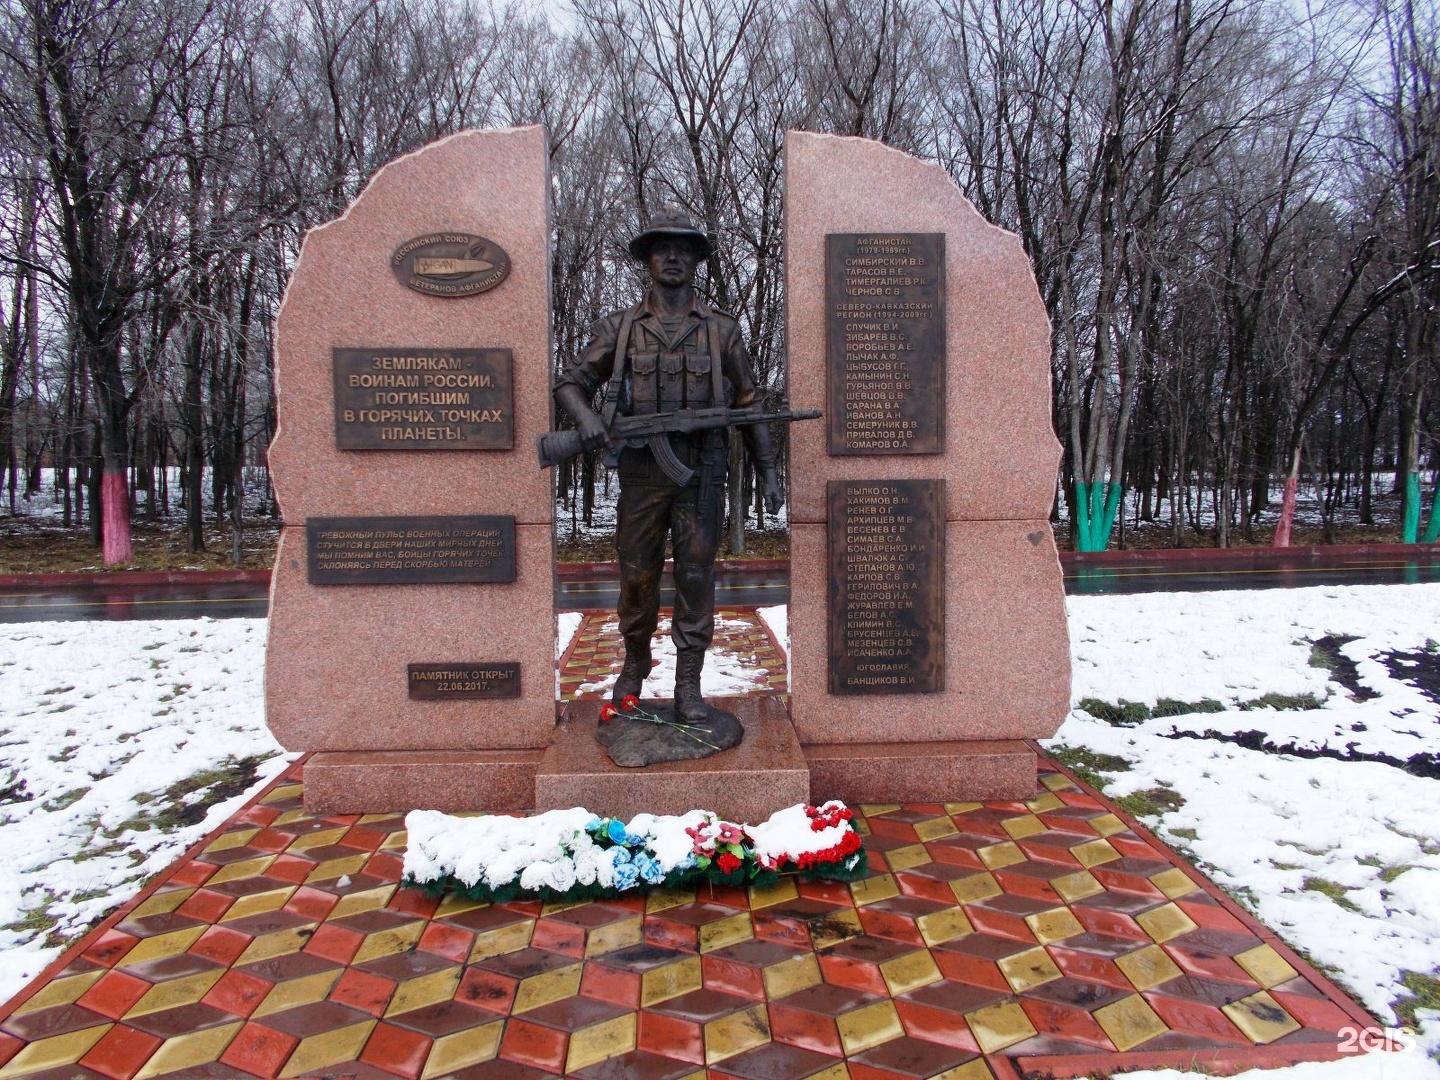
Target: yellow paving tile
[1076,886]
[1261,1018]
[1057,924]
[456,904]
[954,809]
[599,1042]
[788,976]
[334,869]
[664,899]
[54,1052]
[549,986]
[935,828]
[161,902]
[1057,781]
[1029,969]
[175,993]
[998,1026]
[980,886]
[1174,883]
[1108,825]
[1043,804]
[258,903]
[226,841]
[873,889]
[328,1048]
[903,858]
[396,841]
[782,890]
[1148,967]
[1023,826]
[614,936]
[161,945]
[975,1069]
[909,972]
[280,943]
[236,870]
[671,980]
[189,1051]
[1165,922]
[869,1026]
[559,907]
[503,939]
[319,839]
[60,991]
[1266,966]
[726,931]
[876,809]
[999,856]
[282,793]
[425,990]
[941,926]
[733,1034]
[295,992]
[1094,853]
[473,1046]
[388,942]
[365,900]
[1129,1022]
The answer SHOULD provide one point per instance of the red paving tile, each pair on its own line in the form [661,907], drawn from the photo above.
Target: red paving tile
[813,984]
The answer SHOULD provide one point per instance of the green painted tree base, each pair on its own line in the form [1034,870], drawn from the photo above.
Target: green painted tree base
[1096,506]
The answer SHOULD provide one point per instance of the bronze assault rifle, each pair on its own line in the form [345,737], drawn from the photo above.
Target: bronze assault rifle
[655,430]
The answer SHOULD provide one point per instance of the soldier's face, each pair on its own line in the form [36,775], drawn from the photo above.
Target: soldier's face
[672,262]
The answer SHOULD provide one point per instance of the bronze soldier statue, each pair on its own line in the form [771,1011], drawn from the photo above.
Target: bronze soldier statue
[669,352]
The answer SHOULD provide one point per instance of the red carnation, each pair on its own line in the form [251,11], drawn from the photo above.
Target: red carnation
[607,713]
[629,702]
[727,862]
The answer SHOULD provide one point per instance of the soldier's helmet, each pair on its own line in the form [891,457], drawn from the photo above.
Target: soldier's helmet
[666,223]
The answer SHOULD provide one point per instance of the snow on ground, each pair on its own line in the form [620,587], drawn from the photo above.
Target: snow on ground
[109,733]
[98,721]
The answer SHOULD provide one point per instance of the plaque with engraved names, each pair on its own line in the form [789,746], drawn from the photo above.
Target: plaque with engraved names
[887,586]
[463,682]
[424,399]
[885,342]
[410,550]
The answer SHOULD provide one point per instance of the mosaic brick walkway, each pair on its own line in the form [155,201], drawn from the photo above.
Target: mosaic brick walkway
[596,651]
[990,940]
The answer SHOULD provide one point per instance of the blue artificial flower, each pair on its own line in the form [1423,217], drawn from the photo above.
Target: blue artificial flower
[615,829]
[626,875]
[649,869]
[619,855]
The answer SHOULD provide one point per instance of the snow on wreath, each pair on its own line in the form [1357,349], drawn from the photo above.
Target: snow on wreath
[575,855]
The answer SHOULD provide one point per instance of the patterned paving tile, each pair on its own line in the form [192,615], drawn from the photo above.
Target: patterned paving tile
[597,652]
[1046,936]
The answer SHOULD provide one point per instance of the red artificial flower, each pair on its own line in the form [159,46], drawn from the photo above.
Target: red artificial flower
[629,702]
[608,712]
[727,862]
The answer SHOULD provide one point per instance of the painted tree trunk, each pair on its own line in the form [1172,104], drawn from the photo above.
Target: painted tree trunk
[1095,508]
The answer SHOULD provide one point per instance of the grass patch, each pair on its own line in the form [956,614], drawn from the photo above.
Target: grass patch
[1152,802]
[187,801]
[60,802]
[1183,833]
[1424,994]
[1283,703]
[1088,765]
[1120,714]
[1172,707]
[1333,890]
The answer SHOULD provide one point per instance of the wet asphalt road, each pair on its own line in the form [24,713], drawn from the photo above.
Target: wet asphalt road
[1108,573]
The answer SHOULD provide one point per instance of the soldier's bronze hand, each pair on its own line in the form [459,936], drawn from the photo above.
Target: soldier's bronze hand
[774,494]
[592,430]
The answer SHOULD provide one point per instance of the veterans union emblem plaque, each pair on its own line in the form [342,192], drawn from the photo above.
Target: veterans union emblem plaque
[450,264]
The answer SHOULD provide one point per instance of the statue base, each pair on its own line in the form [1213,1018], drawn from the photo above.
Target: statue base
[633,743]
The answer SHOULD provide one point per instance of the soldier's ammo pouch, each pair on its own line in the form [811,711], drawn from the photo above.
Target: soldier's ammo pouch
[672,381]
[697,380]
[644,387]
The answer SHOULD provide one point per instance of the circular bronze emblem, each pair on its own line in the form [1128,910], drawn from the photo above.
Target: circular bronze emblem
[450,264]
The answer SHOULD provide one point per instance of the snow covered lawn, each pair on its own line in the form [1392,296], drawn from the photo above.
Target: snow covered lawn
[116,736]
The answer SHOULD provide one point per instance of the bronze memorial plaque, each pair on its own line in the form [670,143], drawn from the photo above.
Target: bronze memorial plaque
[450,264]
[885,342]
[463,682]
[423,399]
[410,550]
[887,586]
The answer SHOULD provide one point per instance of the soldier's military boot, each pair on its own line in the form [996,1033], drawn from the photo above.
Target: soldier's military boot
[689,703]
[632,675]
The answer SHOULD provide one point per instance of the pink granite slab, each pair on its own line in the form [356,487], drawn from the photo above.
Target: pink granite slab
[765,773]
[343,293]
[1007,650]
[386,781]
[920,772]
[1001,453]
[335,673]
